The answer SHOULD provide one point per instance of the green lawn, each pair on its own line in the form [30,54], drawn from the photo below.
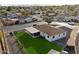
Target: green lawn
[35,45]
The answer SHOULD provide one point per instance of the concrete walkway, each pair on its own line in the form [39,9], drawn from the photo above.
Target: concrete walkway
[1,49]
[72,39]
[12,45]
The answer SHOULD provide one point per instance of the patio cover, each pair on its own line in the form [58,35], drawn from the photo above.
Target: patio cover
[32,30]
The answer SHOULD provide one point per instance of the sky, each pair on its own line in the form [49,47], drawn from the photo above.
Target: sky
[38,2]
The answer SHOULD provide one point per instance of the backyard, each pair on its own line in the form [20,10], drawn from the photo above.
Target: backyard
[36,45]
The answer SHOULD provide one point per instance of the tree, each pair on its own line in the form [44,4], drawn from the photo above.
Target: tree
[48,20]
[9,9]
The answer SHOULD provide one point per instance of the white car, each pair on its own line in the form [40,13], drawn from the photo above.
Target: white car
[71,23]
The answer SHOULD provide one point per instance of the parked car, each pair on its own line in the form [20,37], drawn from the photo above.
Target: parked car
[28,20]
[71,23]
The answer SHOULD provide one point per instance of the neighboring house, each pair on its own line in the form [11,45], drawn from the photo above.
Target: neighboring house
[60,18]
[66,18]
[14,19]
[49,33]
[25,20]
[51,14]
[37,17]
[12,15]
[8,21]
[43,13]
[37,12]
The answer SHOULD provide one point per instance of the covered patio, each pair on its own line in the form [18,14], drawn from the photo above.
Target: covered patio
[33,31]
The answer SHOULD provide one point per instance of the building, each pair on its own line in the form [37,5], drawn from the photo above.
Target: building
[36,17]
[14,19]
[12,15]
[51,14]
[49,33]
[8,21]
[23,20]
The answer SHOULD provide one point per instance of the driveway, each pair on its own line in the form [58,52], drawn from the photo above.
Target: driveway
[63,42]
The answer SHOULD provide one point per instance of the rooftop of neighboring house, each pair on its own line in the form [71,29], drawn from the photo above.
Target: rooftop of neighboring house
[51,14]
[49,30]
[36,17]
[10,19]
[63,24]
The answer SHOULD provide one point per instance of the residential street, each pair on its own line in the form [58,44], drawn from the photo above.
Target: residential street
[12,45]
[21,26]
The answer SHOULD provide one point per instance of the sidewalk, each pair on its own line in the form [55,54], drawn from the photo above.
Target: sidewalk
[1,49]
[12,45]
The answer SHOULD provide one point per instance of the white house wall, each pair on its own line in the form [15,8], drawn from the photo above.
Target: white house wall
[45,35]
[41,33]
[56,37]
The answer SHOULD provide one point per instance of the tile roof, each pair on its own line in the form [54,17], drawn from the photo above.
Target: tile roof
[49,30]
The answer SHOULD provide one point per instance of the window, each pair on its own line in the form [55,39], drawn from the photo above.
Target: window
[63,33]
[53,37]
[48,36]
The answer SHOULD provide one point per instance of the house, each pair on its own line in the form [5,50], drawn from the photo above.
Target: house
[14,19]
[8,21]
[49,33]
[51,14]
[37,17]
[11,15]
[43,13]
[37,12]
